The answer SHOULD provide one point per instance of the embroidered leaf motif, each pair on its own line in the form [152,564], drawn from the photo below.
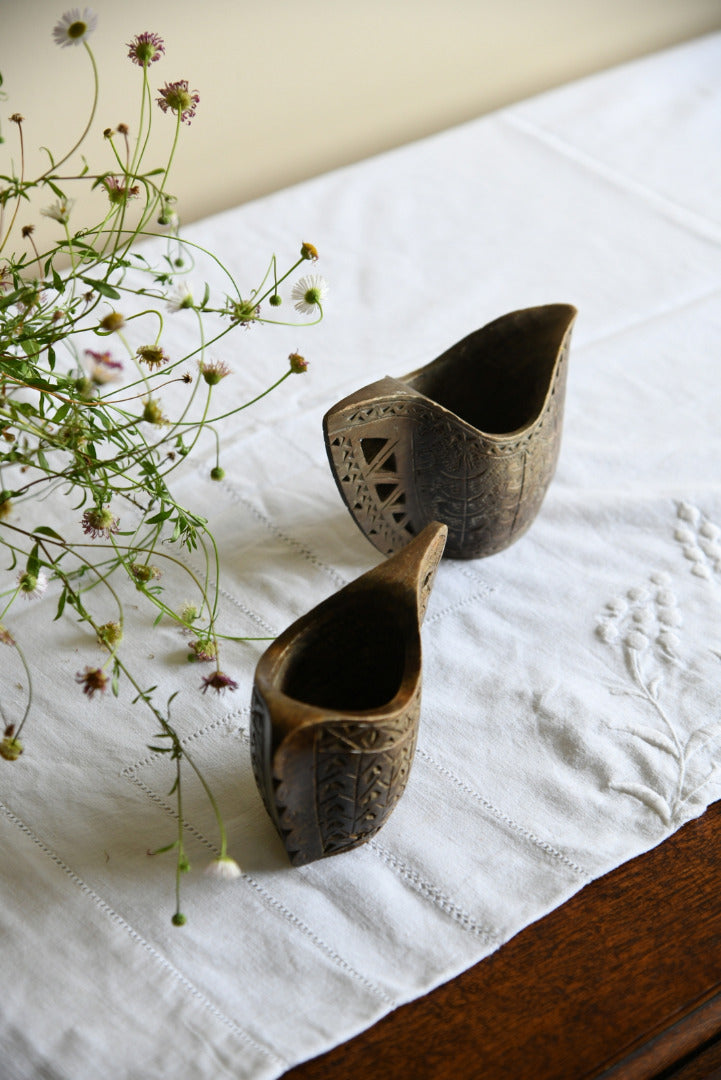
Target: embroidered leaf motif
[655,738]
[652,799]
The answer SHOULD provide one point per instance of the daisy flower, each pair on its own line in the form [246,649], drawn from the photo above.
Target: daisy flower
[59,211]
[32,585]
[309,293]
[74,28]
[180,297]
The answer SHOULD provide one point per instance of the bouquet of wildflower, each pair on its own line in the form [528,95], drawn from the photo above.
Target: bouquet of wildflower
[87,412]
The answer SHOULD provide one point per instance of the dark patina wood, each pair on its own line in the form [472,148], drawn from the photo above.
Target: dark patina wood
[471,439]
[621,983]
[336,704]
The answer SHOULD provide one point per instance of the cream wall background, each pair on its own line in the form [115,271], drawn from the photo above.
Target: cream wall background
[290,89]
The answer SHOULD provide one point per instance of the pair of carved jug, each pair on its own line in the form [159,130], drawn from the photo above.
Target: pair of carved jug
[457,455]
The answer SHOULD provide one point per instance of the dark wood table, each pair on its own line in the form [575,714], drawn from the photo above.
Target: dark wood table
[621,982]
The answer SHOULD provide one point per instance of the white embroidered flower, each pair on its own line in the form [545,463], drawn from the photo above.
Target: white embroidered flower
[74,28]
[636,640]
[617,606]
[668,640]
[670,616]
[661,578]
[688,513]
[710,531]
[638,595]
[665,598]
[701,570]
[224,868]
[309,293]
[607,631]
[684,535]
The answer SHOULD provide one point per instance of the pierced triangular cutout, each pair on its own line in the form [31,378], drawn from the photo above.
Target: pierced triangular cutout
[371,448]
[384,491]
[389,465]
[399,516]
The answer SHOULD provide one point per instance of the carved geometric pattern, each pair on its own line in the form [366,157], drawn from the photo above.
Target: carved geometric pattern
[403,462]
[359,772]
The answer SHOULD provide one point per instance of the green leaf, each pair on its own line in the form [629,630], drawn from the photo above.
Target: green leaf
[33,564]
[61,604]
[45,530]
[102,287]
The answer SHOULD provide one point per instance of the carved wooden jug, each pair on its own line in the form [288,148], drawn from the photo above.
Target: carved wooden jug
[471,439]
[336,704]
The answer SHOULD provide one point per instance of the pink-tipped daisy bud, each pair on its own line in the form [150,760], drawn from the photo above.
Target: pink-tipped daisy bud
[213,371]
[298,363]
[219,681]
[99,522]
[177,97]
[145,49]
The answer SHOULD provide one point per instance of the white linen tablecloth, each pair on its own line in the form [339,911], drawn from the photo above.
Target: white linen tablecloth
[570,714]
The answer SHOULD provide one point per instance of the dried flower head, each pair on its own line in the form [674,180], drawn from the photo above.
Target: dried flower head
[26,231]
[74,28]
[59,210]
[224,868]
[146,48]
[309,251]
[179,99]
[117,191]
[92,680]
[243,311]
[218,681]
[112,322]
[99,522]
[10,748]
[110,634]
[298,363]
[203,650]
[5,636]
[5,505]
[213,371]
[152,412]
[17,118]
[144,572]
[32,585]
[153,356]
[309,293]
